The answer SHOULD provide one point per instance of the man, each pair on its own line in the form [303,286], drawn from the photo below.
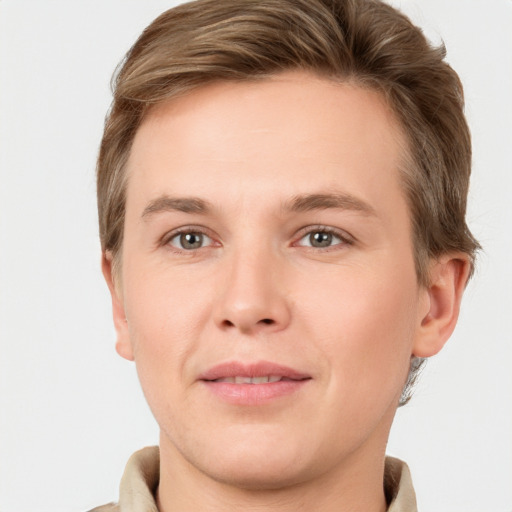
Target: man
[282,189]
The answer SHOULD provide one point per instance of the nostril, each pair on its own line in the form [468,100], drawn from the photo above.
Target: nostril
[246,324]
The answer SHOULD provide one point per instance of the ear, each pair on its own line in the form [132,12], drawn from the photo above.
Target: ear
[123,344]
[448,278]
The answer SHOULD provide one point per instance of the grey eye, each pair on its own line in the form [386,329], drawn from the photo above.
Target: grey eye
[190,241]
[320,239]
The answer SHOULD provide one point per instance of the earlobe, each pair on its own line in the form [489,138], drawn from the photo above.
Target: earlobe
[448,278]
[123,344]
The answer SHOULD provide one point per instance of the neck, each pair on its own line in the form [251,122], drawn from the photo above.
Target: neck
[355,485]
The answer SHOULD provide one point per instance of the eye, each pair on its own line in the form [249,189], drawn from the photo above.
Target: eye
[322,238]
[190,240]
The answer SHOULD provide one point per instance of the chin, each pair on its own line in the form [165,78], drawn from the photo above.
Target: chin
[262,463]
[258,478]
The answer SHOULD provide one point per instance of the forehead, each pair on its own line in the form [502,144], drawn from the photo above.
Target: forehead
[295,131]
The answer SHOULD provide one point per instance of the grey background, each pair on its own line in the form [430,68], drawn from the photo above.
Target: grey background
[71,411]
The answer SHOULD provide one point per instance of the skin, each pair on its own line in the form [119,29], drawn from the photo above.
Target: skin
[349,315]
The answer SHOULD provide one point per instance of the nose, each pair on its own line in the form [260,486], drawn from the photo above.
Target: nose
[252,296]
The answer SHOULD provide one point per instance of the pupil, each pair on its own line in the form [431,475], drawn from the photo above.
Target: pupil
[191,240]
[320,239]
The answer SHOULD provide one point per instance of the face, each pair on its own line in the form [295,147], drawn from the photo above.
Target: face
[268,292]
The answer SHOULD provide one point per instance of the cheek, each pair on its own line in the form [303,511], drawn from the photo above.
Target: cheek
[165,312]
[162,317]
[163,302]
[365,324]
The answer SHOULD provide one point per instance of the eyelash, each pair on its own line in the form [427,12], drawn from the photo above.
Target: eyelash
[345,238]
[195,230]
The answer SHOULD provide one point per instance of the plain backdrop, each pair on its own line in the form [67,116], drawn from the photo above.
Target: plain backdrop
[71,411]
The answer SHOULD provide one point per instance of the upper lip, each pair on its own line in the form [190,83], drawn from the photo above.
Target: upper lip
[254,369]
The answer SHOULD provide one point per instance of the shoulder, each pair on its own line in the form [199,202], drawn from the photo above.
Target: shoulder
[398,486]
[139,481]
[109,507]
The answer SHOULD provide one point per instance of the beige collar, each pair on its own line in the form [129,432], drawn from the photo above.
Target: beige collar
[140,480]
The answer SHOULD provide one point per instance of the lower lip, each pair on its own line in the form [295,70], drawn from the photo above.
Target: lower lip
[254,394]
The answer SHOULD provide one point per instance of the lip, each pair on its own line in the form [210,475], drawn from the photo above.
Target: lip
[256,369]
[253,394]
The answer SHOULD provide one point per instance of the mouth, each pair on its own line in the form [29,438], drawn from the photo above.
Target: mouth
[253,383]
[261,372]
[240,379]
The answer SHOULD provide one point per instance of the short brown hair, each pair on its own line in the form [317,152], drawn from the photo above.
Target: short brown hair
[364,41]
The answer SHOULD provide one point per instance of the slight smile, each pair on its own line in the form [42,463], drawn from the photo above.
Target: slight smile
[252,383]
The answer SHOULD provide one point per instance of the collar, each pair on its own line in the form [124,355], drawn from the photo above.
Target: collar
[140,480]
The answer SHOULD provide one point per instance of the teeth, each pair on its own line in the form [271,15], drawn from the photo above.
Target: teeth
[259,380]
[242,380]
[250,380]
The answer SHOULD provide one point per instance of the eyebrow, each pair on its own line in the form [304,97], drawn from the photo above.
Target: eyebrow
[299,203]
[342,201]
[177,204]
